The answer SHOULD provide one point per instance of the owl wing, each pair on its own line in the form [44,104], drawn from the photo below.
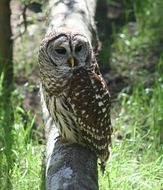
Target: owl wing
[90,100]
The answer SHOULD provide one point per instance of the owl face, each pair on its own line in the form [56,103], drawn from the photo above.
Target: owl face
[60,55]
[69,52]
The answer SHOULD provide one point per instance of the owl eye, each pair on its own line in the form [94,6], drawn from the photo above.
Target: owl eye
[78,48]
[61,51]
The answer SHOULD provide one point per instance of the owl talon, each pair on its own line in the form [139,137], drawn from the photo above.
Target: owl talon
[102,167]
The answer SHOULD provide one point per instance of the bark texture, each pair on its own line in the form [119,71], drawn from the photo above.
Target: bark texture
[6,45]
[70,167]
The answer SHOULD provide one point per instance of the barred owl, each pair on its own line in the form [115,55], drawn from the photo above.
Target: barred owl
[75,92]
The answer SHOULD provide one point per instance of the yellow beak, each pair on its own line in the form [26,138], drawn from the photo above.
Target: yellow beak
[71,61]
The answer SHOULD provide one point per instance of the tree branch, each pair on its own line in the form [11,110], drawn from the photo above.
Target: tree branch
[70,167]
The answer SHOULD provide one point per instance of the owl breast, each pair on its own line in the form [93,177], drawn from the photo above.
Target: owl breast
[63,117]
[82,112]
[55,82]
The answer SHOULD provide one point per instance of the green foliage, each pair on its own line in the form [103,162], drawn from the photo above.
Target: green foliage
[136,53]
[20,153]
[138,46]
[139,27]
[27,2]
[137,161]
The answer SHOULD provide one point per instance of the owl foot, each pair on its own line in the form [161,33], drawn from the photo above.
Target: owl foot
[102,167]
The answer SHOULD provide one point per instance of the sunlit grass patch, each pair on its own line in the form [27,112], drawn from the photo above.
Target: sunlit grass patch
[21,155]
[137,161]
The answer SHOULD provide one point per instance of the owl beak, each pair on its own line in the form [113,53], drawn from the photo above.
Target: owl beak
[71,61]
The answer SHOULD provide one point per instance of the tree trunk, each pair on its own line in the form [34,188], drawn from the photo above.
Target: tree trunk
[6,67]
[6,46]
[72,166]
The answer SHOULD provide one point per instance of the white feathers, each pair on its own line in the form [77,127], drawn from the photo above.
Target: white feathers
[97,96]
[100,104]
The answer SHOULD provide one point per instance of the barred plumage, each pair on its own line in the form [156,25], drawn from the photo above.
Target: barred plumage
[75,93]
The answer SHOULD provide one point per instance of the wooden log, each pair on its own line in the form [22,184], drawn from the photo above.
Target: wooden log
[70,167]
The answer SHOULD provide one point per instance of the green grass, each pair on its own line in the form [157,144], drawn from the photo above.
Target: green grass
[137,152]
[21,156]
[137,159]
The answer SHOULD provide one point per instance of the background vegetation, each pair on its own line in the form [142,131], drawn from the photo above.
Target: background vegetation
[132,63]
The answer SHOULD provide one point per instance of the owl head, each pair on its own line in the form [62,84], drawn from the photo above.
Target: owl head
[66,48]
[61,52]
